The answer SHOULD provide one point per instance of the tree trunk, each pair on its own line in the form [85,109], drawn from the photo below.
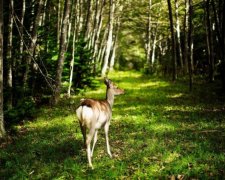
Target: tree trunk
[33,41]
[21,29]
[109,40]
[96,40]
[2,128]
[155,38]
[180,58]
[223,47]
[87,25]
[96,22]
[101,50]
[59,21]
[209,40]
[148,43]
[185,55]
[71,65]
[174,54]
[62,50]
[9,56]
[75,25]
[190,46]
[114,46]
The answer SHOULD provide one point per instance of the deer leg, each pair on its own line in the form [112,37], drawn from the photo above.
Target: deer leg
[88,145]
[107,138]
[95,140]
[83,130]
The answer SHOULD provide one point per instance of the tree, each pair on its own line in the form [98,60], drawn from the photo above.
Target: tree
[190,44]
[209,40]
[174,52]
[109,39]
[62,51]
[185,31]
[2,129]
[148,43]
[178,39]
[33,40]
[9,55]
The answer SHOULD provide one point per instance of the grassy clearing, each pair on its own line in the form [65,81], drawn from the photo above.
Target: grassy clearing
[158,130]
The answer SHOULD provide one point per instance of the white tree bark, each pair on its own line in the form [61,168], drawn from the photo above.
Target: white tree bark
[109,40]
[2,129]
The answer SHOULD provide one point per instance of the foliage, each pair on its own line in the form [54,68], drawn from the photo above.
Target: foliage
[159,131]
[83,66]
[25,109]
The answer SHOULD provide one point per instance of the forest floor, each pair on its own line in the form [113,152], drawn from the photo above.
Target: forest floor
[158,130]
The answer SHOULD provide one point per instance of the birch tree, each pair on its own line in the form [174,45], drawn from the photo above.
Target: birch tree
[185,31]
[209,40]
[190,44]
[62,51]
[178,39]
[21,19]
[9,55]
[75,34]
[97,30]
[115,39]
[33,40]
[148,38]
[155,34]
[109,39]
[174,54]
[2,129]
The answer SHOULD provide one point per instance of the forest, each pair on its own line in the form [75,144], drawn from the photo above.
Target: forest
[168,56]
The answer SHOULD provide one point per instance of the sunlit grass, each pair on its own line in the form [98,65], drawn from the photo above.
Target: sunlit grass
[158,130]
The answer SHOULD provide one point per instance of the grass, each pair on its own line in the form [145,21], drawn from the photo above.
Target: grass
[158,131]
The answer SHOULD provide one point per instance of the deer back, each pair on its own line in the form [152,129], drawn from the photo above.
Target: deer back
[95,113]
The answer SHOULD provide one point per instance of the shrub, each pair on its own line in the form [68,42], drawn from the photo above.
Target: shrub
[25,109]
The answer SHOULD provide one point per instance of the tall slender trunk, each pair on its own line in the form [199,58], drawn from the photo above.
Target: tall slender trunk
[75,27]
[33,41]
[96,40]
[180,58]
[21,28]
[72,64]
[155,38]
[174,54]
[102,48]
[9,55]
[185,30]
[109,40]
[62,50]
[87,25]
[148,43]
[209,40]
[223,45]
[114,46]
[2,128]
[190,46]
[59,21]
[154,45]
[96,22]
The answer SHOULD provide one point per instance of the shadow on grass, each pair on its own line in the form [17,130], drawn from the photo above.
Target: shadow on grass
[40,151]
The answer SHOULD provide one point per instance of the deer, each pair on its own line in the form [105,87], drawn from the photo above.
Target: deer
[94,114]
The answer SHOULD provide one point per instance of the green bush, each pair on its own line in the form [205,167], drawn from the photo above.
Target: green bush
[25,109]
[83,66]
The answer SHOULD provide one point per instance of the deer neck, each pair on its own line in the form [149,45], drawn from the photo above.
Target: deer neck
[110,97]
